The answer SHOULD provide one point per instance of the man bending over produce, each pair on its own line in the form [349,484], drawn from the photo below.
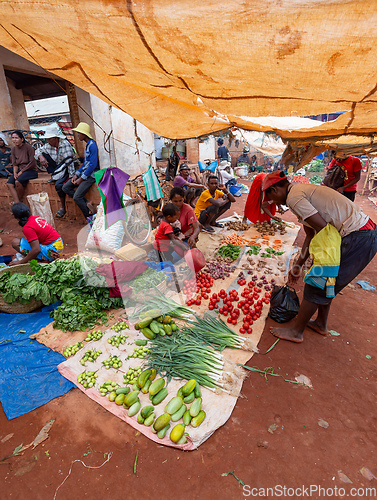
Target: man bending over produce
[344,242]
[212,203]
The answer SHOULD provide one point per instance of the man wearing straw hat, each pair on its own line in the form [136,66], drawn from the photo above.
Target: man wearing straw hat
[80,183]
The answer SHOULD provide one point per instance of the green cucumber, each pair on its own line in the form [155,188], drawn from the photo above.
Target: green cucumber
[147,332]
[196,407]
[162,432]
[161,422]
[190,398]
[179,414]
[134,409]
[154,326]
[144,322]
[156,386]
[146,411]
[187,417]
[196,421]
[149,421]
[146,387]
[141,342]
[174,405]
[159,397]
[197,391]
[123,390]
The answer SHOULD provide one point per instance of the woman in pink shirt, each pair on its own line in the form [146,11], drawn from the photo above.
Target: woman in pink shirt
[189,223]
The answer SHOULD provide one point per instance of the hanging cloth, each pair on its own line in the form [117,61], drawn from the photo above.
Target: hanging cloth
[153,189]
[111,185]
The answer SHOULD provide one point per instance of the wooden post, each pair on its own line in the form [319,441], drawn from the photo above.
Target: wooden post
[368,174]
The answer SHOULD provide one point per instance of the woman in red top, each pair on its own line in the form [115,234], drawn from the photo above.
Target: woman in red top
[187,218]
[41,242]
[353,168]
[257,210]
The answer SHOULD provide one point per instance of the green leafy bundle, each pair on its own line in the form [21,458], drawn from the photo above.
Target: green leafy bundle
[74,282]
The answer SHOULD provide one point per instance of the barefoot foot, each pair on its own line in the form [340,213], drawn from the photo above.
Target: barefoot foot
[287,334]
[317,328]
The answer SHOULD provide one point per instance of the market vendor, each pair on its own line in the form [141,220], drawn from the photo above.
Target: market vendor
[41,242]
[212,203]
[353,168]
[320,208]
[256,208]
[184,179]
[189,225]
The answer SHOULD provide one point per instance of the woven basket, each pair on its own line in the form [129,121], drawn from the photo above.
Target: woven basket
[16,307]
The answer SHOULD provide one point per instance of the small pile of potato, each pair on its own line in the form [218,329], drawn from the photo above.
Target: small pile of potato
[270,228]
[237,225]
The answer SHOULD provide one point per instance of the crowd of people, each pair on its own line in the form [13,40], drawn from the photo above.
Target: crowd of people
[57,156]
[330,217]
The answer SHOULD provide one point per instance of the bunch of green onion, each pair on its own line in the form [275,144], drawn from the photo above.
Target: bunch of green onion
[180,356]
[215,333]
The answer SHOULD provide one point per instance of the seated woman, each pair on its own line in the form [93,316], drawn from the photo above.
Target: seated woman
[24,166]
[257,210]
[41,242]
[189,223]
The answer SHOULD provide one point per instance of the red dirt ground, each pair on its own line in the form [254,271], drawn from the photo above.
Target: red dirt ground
[298,453]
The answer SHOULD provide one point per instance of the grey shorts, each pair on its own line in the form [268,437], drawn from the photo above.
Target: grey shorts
[357,250]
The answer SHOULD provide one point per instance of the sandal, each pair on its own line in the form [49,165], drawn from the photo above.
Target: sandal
[60,213]
[208,229]
[217,224]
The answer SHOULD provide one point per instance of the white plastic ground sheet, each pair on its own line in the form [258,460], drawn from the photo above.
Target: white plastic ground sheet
[218,404]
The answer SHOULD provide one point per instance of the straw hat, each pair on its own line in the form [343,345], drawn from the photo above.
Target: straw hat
[83,128]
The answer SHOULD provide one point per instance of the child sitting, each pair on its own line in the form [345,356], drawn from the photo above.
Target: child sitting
[165,241]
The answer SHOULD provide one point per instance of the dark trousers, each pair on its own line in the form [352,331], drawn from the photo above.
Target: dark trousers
[78,194]
[59,186]
[212,209]
[357,250]
[51,163]
[350,195]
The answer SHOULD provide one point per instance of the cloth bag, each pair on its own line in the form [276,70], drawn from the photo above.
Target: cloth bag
[284,304]
[40,207]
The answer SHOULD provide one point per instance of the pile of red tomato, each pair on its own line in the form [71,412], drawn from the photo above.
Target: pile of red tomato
[250,305]
[201,285]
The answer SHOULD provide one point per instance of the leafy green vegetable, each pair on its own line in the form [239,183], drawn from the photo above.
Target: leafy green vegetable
[147,279]
[74,282]
[231,251]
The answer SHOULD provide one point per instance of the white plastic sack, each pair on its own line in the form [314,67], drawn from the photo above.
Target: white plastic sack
[241,171]
[108,240]
[40,207]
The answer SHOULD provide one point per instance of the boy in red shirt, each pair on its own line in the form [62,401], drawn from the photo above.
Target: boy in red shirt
[165,242]
[352,167]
